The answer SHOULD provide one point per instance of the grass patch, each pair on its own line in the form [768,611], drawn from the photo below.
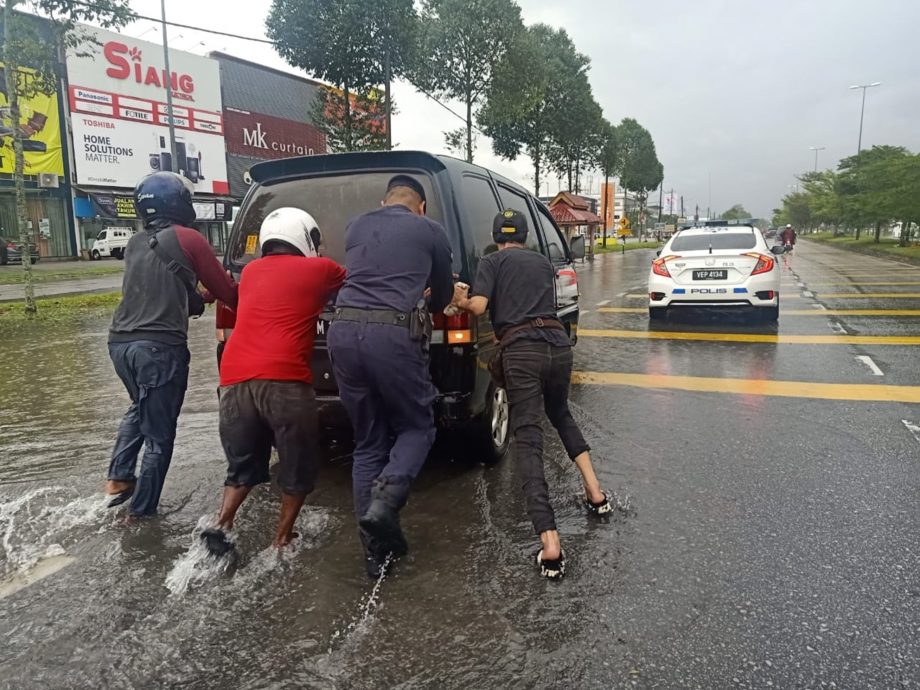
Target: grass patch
[611,248]
[887,247]
[61,308]
[12,275]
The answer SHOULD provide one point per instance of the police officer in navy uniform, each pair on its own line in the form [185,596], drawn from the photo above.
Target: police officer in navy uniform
[394,257]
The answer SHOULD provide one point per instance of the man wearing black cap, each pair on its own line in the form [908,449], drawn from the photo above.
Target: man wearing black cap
[516,286]
[377,343]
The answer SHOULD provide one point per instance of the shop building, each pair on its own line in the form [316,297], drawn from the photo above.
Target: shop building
[266,117]
[120,127]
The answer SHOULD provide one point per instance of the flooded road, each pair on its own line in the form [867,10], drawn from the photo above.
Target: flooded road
[772,537]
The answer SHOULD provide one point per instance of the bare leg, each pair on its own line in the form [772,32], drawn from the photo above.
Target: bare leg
[552,549]
[233,499]
[588,478]
[113,486]
[290,509]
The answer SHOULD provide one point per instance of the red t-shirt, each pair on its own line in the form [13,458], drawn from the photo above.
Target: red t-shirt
[280,299]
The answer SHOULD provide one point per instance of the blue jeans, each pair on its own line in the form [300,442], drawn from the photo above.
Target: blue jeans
[156,377]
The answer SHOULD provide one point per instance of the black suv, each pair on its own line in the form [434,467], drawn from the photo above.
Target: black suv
[464,198]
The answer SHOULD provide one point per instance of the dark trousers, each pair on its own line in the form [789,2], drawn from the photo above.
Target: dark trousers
[258,413]
[156,377]
[386,388]
[537,375]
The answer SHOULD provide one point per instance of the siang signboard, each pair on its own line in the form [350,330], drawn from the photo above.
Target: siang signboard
[266,137]
[117,98]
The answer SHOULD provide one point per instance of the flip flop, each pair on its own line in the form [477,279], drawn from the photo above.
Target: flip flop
[121,497]
[603,507]
[216,542]
[551,569]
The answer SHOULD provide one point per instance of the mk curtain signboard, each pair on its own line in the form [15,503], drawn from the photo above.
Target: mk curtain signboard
[267,137]
[120,118]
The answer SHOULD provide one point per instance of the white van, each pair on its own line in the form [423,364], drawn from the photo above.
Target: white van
[112,242]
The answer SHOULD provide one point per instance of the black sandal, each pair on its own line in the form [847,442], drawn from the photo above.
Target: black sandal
[604,507]
[551,569]
[216,542]
[121,497]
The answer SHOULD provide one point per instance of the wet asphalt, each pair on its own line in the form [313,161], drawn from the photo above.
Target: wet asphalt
[768,535]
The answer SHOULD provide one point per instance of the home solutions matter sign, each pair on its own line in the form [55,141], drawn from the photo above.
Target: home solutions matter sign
[121,121]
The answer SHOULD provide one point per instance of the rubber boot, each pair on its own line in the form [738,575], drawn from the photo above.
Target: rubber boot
[381,520]
[376,559]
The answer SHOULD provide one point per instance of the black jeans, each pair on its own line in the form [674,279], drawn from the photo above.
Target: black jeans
[537,375]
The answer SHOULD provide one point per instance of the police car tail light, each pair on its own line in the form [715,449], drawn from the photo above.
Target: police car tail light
[764,263]
[659,268]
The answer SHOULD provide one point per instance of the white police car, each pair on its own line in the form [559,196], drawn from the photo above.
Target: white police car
[717,265]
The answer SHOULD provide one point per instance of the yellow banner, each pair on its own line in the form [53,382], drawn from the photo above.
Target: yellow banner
[40,128]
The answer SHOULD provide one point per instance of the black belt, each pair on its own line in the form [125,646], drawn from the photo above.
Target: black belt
[386,317]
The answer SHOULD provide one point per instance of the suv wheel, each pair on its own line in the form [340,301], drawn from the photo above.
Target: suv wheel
[491,433]
[4,259]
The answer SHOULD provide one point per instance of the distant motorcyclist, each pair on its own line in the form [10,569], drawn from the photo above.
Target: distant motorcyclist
[788,236]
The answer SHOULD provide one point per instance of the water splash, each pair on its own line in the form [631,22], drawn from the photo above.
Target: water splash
[197,565]
[39,524]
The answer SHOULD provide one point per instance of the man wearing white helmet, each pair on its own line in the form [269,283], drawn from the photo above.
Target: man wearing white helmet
[266,393]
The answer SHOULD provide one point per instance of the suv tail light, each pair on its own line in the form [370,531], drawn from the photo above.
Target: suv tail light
[659,268]
[764,263]
[455,330]
[568,277]
[226,320]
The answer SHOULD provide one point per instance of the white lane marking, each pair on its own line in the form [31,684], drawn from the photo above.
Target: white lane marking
[801,284]
[837,328]
[807,293]
[873,367]
[914,429]
[603,303]
[584,311]
[44,568]
[819,306]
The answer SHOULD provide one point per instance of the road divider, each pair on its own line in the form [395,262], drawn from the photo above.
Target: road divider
[754,387]
[753,337]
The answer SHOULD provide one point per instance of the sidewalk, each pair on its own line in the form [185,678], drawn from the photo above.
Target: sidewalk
[110,283]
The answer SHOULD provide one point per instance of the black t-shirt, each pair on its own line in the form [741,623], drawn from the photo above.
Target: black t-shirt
[520,286]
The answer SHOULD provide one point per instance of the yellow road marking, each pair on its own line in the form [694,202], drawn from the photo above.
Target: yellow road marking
[811,285]
[754,337]
[758,387]
[792,312]
[867,295]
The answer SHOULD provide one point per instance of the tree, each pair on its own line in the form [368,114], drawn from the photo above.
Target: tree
[353,44]
[368,129]
[641,170]
[580,135]
[736,212]
[609,162]
[525,105]
[460,45]
[31,66]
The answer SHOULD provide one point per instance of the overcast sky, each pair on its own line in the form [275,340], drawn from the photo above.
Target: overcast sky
[735,91]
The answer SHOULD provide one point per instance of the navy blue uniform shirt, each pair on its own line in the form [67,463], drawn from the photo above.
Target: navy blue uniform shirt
[391,256]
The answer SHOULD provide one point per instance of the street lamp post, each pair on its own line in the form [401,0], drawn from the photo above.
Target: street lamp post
[816,149]
[862,110]
[174,166]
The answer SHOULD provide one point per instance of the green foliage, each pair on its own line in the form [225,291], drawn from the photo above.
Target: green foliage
[525,107]
[367,129]
[461,43]
[641,170]
[736,212]
[873,189]
[345,42]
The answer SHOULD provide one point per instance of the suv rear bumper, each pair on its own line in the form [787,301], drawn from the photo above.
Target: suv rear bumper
[451,410]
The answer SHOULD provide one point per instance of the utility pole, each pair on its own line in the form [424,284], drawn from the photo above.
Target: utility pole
[660,200]
[174,157]
[862,110]
[816,149]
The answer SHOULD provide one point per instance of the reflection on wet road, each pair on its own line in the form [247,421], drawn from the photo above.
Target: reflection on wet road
[772,535]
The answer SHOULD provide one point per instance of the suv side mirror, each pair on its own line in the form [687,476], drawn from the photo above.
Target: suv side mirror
[658,253]
[778,249]
[577,248]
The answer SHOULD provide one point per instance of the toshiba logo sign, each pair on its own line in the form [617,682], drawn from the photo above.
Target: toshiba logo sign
[128,63]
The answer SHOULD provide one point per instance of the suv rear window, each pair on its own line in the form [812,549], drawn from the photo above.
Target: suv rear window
[332,201]
[716,240]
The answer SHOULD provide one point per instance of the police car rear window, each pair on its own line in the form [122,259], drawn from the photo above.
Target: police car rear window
[717,240]
[333,201]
